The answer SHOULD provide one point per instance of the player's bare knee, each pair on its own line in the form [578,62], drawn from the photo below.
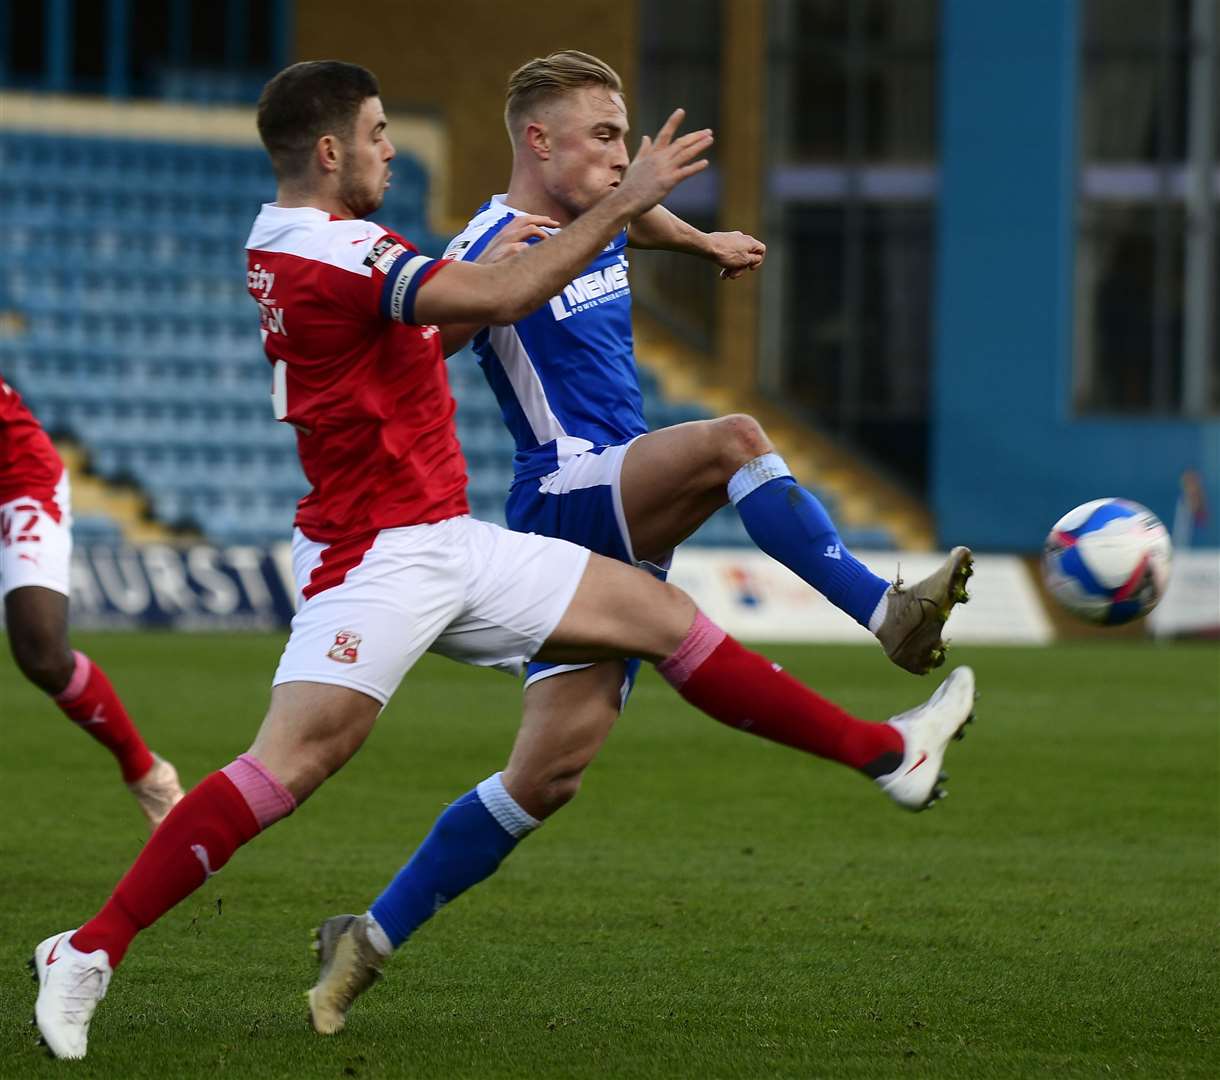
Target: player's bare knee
[42,659]
[311,774]
[303,765]
[324,757]
[558,791]
[541,788]
[740,438]
[681,609]
[671,616]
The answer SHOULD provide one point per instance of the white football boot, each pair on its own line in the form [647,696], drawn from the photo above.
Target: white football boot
[349,965]
[70,984]
[157,791]
[926,731]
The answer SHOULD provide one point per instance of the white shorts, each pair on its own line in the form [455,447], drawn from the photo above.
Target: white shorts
[35,549]
[463,588]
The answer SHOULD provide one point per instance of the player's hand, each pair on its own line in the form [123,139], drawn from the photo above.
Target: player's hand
[515,236]
[736,252]
[661,164]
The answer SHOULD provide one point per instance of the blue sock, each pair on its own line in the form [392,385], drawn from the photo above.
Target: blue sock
[790,525]
[467,843]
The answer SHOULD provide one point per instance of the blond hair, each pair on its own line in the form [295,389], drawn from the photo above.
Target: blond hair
[547,77]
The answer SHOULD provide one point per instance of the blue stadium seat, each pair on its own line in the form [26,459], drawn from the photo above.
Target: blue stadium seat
[874,538]
[96,529]
[123,258]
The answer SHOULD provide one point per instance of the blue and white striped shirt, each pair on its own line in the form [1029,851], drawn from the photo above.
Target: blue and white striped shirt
[564,376]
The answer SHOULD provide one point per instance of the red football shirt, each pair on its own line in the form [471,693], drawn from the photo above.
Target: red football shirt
[29,465]
[366,388]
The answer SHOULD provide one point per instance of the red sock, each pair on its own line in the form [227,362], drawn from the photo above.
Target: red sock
[746,691]
[197,839]
[91,703]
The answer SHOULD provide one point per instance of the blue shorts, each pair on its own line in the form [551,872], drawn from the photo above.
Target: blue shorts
[581,501]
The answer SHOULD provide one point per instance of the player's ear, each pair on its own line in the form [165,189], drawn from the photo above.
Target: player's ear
[328,153]
[538,139]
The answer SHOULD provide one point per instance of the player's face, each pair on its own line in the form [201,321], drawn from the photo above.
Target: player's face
[588,129]
[365,172]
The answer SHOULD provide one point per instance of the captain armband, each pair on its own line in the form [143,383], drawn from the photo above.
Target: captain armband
[402,282]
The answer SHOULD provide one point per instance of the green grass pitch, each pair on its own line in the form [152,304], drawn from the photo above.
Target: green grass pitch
[711,905]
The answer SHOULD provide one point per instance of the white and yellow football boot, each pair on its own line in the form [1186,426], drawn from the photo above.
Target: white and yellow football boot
[157,791]
[348,965]
[916,614]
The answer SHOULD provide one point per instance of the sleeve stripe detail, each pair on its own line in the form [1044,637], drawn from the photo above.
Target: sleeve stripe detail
[492,231]
[407,274]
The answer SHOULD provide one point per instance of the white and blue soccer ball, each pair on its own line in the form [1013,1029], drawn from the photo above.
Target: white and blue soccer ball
[1107,561]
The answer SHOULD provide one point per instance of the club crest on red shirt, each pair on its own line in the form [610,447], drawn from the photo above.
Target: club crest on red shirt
[346,646]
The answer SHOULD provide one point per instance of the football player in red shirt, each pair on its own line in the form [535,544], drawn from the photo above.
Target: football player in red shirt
[389,564]
[35,547]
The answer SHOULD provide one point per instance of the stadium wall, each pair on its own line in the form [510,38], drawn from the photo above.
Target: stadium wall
[455,58]
[1009,456]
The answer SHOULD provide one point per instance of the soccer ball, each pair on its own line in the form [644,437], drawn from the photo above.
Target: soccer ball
[1107,561]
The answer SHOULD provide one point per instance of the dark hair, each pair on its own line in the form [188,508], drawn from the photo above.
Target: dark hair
[306,101]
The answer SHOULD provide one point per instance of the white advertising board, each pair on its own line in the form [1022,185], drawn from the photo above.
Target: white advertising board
[1191,604]
[755,598]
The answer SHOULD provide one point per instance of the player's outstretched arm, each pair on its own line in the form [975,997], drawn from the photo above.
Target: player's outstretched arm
[507,291]
[511,240]
[733,252]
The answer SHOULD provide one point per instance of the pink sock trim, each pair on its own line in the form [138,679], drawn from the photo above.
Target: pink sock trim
[267,798]
[80,677]
[700,642]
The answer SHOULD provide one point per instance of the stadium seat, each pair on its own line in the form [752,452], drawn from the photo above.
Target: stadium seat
[140,340]
[96,529]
